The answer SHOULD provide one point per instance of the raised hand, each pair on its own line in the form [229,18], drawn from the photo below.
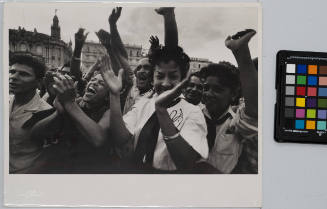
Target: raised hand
[154,41]
[115,14]
[165,10]
[239,40]
[113,82]
[80,38]
[167,97]
[104,38]
[65,89]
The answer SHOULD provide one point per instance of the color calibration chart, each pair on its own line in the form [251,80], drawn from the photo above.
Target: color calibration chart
[306,97]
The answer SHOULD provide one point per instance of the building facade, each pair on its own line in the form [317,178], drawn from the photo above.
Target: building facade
[52,49]
[92,51]
[197,63]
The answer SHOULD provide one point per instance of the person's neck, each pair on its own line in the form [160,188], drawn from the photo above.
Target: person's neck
[92,106]
[216,114]
[24,98]
[144,90]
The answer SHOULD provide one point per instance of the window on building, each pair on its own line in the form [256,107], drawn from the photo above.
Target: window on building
[53,58]
[23,47]
[131,53]
[199,66]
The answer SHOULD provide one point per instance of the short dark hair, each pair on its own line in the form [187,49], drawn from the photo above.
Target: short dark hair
[228,75]
[166,54]
[33,61]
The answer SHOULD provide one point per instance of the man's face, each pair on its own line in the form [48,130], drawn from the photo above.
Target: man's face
[216,97]
[143,79]
[193,90]
[96,90]
[22,79]
[166,76]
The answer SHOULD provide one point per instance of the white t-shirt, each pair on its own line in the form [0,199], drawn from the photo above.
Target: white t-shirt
[187,118]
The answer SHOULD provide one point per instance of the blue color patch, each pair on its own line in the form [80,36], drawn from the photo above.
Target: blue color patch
[322,92]
[312,80]
[301,68]
[299,124]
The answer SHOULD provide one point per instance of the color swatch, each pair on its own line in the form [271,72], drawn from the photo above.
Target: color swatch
[305,100]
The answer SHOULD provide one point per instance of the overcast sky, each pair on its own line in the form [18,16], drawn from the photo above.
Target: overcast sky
[202,31]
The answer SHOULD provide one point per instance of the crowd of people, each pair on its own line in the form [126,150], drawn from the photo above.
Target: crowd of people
[157,118]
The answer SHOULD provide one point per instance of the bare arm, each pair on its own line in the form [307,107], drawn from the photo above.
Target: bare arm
[75,69]
[182,153]
[93,132]
[116,40]
[238,44]
[171,32]
[118,130]
[105,39]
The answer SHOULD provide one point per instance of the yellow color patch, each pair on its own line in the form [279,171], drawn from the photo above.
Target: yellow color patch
[312,69]
[311,124]
[300,102]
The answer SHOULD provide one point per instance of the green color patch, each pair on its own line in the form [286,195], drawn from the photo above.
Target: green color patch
[301,79]
[322,103]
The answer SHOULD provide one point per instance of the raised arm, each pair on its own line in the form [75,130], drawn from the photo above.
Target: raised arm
[238,44]
[118,130]
[75,68]
[182,153]
[105,39]
[171,32]
[95,133]
[116,40]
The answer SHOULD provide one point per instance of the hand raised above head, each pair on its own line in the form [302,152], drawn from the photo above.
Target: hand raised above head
[154,41]
[114,16]
[80,37]
[104,37]
[165,10]
[239,40]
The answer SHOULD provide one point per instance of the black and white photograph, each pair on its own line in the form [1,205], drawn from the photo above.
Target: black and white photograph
[151,91]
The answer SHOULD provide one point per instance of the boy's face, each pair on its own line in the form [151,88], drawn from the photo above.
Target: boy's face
[22,79]
[193,90]
[217,97]
[166,76]
[96,90]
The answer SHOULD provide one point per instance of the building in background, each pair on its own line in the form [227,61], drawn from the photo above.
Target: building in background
[54,51]
[197,63]
[93,50]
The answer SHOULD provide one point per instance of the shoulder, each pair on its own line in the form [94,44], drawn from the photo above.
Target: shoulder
[43,105]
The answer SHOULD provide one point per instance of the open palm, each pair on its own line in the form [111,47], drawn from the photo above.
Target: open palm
[113,82]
